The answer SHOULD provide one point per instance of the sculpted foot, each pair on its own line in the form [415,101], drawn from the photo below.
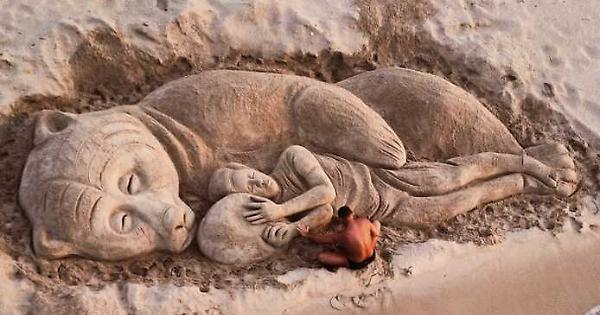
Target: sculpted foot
[279,234]
[558,166]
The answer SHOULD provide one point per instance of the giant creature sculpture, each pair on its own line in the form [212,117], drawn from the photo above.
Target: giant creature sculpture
[106,184]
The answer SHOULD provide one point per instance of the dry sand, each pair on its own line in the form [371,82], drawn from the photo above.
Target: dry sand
[531,62]
[546,49]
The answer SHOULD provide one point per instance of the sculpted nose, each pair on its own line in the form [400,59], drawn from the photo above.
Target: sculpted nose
[178,219]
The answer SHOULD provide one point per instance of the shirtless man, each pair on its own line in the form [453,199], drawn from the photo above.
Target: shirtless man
[357,241]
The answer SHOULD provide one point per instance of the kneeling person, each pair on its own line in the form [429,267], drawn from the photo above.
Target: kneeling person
[357,241]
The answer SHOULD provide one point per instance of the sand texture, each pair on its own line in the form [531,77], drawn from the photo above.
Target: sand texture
[532,63]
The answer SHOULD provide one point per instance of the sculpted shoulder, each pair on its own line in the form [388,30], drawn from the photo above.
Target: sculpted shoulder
[221,106]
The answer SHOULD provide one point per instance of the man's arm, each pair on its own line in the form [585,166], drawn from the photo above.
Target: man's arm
[323,238]
[375,231]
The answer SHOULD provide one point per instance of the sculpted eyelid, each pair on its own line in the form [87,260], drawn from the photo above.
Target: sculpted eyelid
[123,218]
[130,182]
[94,208]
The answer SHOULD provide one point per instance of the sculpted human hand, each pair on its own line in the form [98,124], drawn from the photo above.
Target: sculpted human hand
[279,233]
[261,210]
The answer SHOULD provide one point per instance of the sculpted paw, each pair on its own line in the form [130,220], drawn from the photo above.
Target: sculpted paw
[556,176]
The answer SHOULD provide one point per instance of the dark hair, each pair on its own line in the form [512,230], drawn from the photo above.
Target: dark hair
[344,212]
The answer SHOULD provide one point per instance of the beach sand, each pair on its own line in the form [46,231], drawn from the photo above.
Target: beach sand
[532,63]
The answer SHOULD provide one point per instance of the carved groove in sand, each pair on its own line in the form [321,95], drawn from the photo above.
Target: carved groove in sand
[106,184]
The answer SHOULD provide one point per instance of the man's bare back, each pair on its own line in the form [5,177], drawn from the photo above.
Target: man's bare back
[357,241]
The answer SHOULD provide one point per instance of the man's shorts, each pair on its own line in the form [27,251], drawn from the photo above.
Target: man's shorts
[360,265]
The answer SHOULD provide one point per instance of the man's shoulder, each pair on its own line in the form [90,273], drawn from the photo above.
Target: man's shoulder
[362,220]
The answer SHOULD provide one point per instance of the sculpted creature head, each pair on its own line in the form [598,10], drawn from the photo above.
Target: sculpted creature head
[100,185]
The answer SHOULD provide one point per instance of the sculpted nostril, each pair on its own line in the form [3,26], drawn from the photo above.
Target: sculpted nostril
[179,227]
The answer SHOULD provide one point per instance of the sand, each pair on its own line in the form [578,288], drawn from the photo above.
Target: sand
[532,63]
[532,272]
[548,50]
[55,48]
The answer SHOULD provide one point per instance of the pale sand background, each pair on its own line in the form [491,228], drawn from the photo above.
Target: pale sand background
[524,59]
[38,37]
[552,42]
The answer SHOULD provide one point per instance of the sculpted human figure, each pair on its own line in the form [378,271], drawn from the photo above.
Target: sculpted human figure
[419,194]
[106,184]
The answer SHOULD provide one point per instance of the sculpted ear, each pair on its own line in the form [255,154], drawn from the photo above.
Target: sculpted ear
[50,123]
[45,246]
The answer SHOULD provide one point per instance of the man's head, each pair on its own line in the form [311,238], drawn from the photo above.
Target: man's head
[345,213]
[238,178]
[100,185]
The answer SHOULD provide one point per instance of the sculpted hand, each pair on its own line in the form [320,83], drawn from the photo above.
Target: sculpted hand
[261,210]
[279,233]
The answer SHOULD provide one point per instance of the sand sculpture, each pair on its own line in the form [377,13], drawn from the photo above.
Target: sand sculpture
[106,184]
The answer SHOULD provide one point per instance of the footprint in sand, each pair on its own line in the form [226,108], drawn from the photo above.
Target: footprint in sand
[553,54]
[163,4]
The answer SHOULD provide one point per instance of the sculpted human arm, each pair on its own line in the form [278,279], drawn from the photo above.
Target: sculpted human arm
[281,233]
[321,189]
[306,166]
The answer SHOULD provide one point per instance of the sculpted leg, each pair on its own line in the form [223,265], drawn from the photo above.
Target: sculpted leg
[435,119]
[433,178]
[428,211]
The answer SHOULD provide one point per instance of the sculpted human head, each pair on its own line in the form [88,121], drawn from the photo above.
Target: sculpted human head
[100,185]
[238,178]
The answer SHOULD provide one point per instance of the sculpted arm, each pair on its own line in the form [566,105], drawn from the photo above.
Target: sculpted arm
[321,190]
